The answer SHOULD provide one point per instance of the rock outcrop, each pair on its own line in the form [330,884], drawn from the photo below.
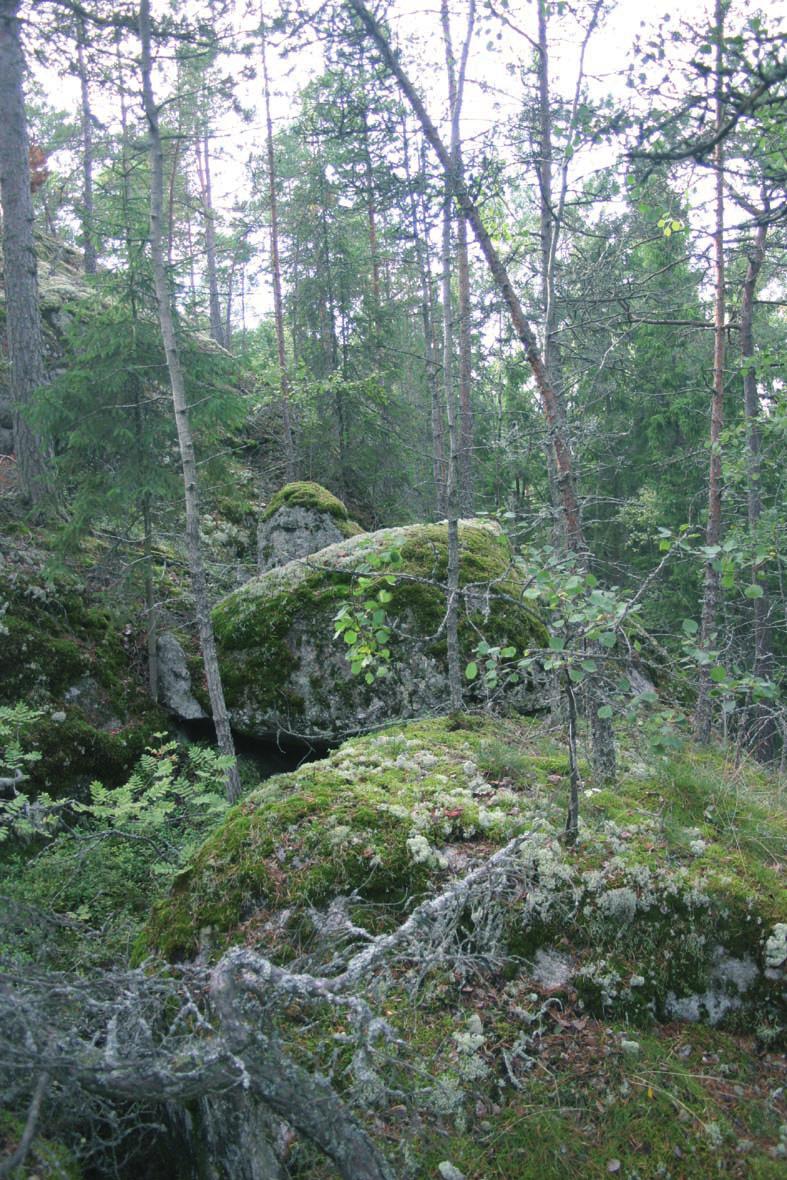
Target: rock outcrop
[301,519]
[174,680]
[284,670]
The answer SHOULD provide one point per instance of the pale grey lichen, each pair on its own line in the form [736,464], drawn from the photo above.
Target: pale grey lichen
[776,946]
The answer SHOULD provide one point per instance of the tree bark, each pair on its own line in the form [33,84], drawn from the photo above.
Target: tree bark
[88,221]
[456,80]
[185,439]
[202,148]
[703,714]
[23,313]
[278,302]
[761,728]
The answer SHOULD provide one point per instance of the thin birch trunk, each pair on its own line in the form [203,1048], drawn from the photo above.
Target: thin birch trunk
[88,221]
[711,597]
[762,732]
[185,439]
[202,152]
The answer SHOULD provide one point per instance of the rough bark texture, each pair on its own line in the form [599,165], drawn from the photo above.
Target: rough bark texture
[761,728]
[23,315]
[185,439]
[209,216]
[603,740]
[290,464]
[712,583]
[88,225]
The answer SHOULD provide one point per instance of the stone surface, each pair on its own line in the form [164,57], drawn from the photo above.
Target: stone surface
[301,519]
[294,532]
[283,669]
[175,691]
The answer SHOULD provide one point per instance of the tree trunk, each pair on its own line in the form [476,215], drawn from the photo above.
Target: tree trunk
[762,733]
[703,714]
[420,234]
[88,223]
[23,314]
[202,147]
[456,80]
[452,568]
[185,440]
[564,462]
[278,303]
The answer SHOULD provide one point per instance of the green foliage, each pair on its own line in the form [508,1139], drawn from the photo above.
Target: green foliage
[363,622]
[98,864]
[307,494]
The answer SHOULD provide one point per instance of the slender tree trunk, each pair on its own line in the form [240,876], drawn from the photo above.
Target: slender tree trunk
[467,205]
[452,490]
[88,221]
[420,235]
[603,753]
[23,314]
[278,302]
[185,439]
[456,79]
[712,582]
[202,147]
[761,728]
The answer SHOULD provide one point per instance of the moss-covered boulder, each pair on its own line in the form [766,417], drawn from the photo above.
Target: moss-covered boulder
[672,906]
[300,519]
[284,670]
[66,659]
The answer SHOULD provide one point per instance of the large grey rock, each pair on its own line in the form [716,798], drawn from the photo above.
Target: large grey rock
[174,680]
[294,532]
[302,518]
[283,669]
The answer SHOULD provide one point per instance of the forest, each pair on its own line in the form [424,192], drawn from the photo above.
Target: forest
[393,589]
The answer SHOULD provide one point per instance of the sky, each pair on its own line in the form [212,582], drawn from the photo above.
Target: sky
[494,84]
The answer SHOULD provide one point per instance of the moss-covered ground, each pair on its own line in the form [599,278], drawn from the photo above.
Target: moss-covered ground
[508,1071]
[676,881]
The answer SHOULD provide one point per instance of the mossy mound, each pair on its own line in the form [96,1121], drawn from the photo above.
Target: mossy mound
[307,494]
[283,669]
[301,519]
[66,658]
[646,918]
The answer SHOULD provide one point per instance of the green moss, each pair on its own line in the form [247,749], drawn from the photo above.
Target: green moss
[255,625]
[307,494]
[327,829]
[65,656]
[74,753]
[47,1159]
